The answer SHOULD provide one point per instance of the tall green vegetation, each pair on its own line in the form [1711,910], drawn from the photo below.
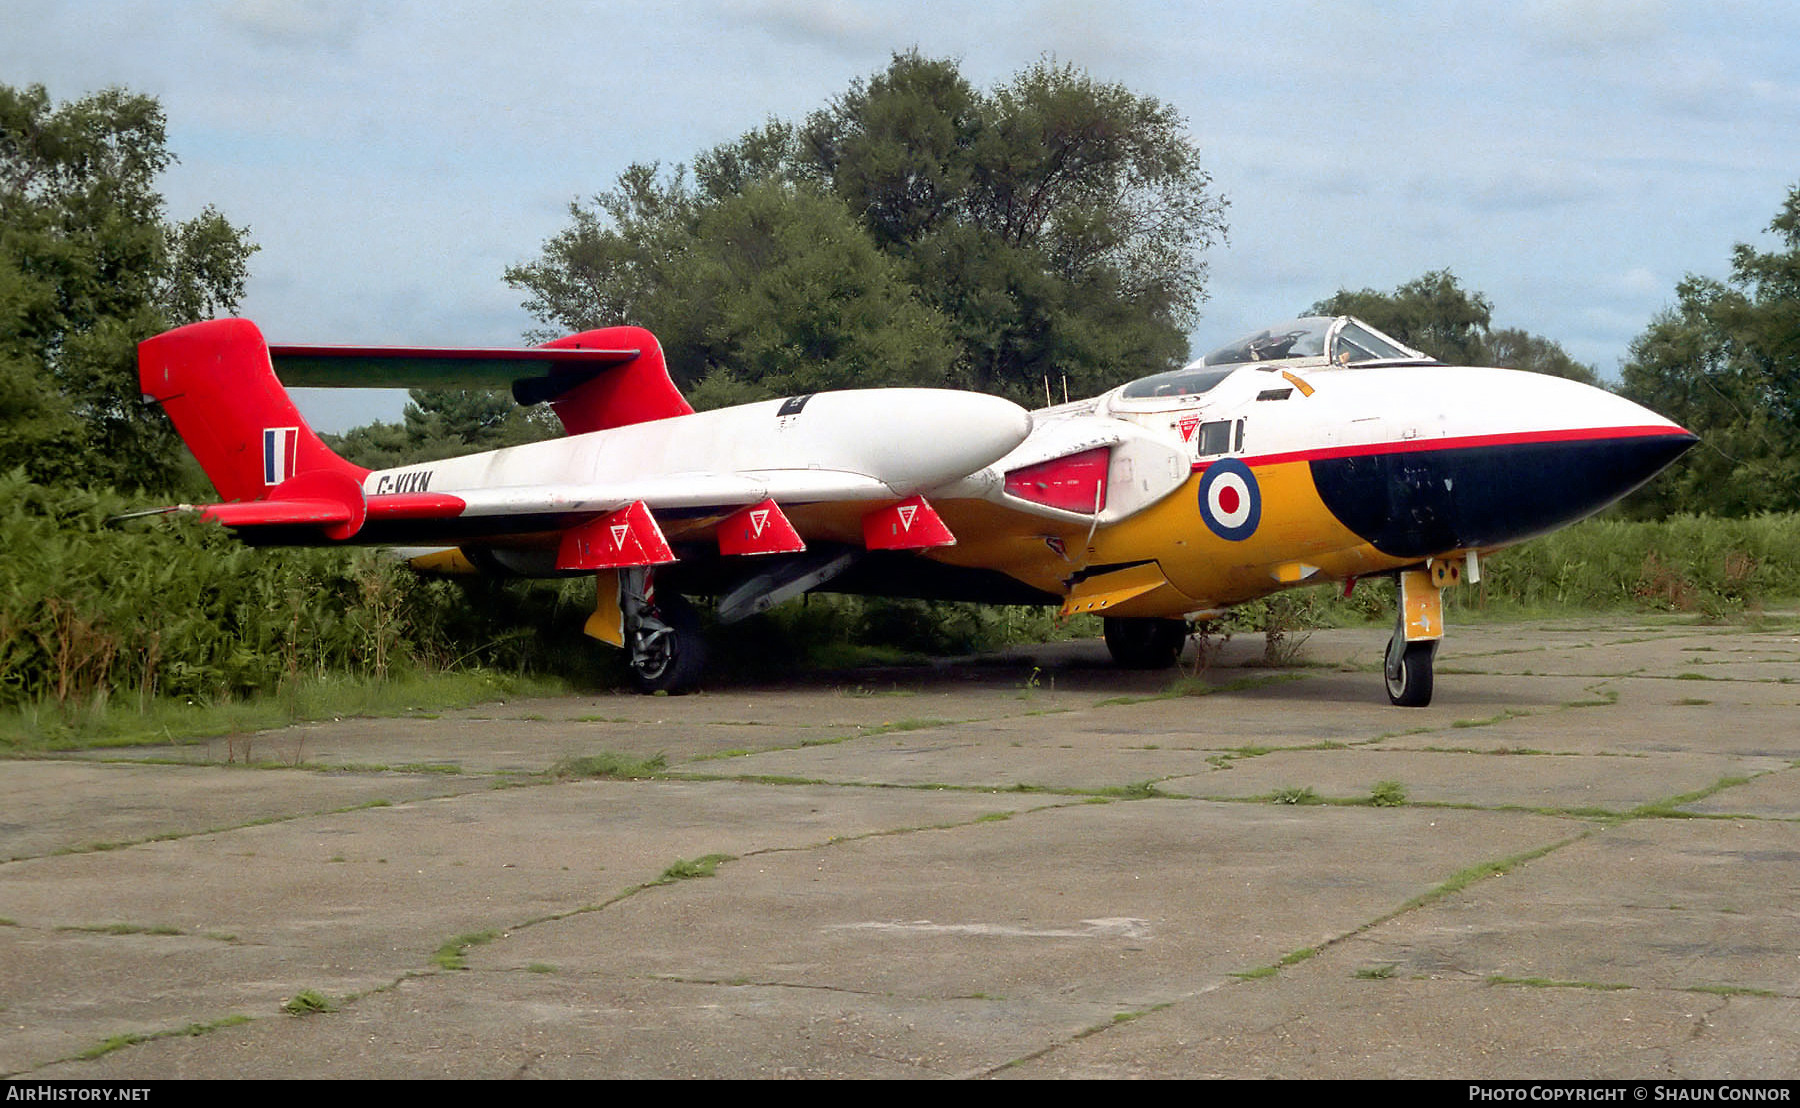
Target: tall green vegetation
[179,608]
[916,231]
[1725,363]
[1695,564]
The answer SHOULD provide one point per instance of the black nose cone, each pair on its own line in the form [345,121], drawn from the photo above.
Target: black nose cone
[1411,500]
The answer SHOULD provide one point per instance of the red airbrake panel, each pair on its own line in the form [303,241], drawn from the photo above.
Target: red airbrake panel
[1072,483]
[627,537]
[759,529]
[911,524]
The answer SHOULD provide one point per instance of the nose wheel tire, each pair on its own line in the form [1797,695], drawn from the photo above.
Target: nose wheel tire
[668,653]
[1408,672]
[1145,643]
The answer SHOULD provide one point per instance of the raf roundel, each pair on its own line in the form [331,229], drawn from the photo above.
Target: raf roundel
[1230,502]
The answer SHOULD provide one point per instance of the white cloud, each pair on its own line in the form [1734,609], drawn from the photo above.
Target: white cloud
[1639,281]
[297,24]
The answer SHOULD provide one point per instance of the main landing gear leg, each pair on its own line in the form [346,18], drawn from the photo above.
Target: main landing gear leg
[668,653]
[1145,643]
[1417,631]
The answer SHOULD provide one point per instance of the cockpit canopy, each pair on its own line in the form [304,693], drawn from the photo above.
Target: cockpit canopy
[1312,342]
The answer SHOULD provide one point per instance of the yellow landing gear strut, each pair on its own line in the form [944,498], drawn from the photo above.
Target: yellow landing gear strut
[1420,626]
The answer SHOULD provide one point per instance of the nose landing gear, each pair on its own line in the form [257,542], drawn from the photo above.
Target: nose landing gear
[1419,628]
[1408,671]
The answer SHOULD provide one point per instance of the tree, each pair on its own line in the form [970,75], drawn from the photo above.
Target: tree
[916,231]
[1516,348]
[1431,313]
[765,288]
[1725,363]
[1434,314]
[89,266]
[442,423]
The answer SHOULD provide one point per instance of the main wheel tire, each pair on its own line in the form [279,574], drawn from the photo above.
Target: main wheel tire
[673,663]
[1409,681]
[1145,643]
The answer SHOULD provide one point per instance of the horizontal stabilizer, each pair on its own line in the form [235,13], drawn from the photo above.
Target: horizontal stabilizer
[278,513]
[325,498]
[594,380]
[426,367]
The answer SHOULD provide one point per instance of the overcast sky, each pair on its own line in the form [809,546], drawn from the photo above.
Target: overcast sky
[1572,159]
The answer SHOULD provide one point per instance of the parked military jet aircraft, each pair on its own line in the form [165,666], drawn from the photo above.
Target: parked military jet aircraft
[1319,450]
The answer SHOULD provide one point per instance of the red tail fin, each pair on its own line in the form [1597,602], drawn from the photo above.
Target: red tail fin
[215,381]
[636,392]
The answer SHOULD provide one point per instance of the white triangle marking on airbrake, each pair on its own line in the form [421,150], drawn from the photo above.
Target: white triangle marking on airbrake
[619,531]
[759,520]
[907,511]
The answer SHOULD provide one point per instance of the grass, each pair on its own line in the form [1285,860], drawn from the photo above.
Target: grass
[453,955]
[118,721]
[1137,790]
[308,1002]
[686,869]
[120,1042]
[1377,972]
[905,725]
[1602,698]
[1193,685]
[1291,959]
[1481,871]
[1302,795]
[123,929]
[1547,983]
[1387,794]
[1670,807]
[1730,990]
[610,766]
[1510,713]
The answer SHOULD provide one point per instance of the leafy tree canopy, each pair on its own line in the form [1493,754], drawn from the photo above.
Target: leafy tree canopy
[916,231]
[90,265]
[1725,363]
[1435,314]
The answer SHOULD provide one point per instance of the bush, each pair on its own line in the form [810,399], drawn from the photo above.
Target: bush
[176,607]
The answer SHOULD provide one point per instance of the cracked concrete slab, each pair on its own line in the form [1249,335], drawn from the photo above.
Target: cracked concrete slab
[1032,866]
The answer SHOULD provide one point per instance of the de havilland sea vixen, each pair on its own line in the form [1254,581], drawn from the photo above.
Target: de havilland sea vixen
[1319,450]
